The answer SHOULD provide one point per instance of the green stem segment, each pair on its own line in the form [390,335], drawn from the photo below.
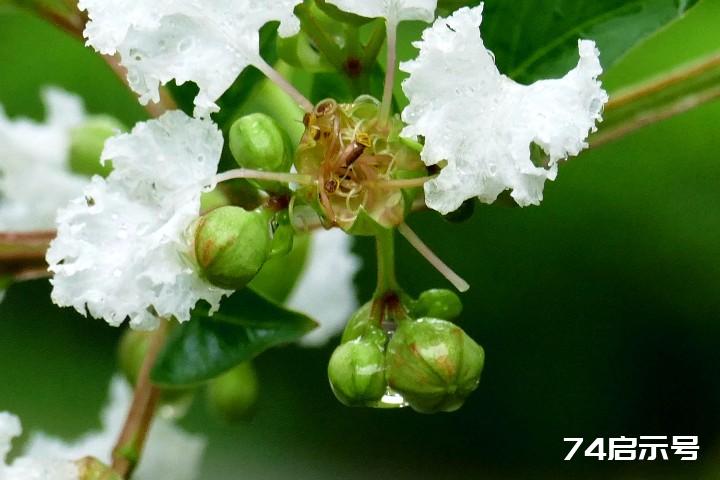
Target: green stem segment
[387,282]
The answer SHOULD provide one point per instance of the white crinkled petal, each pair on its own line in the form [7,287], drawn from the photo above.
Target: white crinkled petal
[484,124]
[29,467]
[122,246]
[208,43]
[169,453]
[395,11]
[35,176]
[325,290]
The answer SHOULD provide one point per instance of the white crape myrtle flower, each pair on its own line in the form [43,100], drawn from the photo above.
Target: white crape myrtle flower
[169,453]
[325,290]
[484,125]
[35,176]
[394,11]
[29,467]
[122,249]
[207,42]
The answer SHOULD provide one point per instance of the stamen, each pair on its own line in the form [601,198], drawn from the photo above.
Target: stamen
[403,183]
[286,86]
[259,175]
[434,260]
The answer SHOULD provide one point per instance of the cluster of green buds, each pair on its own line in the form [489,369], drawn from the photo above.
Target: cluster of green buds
[355,155]
[233,243]
[396,351]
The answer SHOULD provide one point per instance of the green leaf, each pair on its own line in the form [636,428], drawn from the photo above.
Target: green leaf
[206,346]
[534,39]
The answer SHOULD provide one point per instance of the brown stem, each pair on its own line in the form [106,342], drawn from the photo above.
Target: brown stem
[74,24]
[663,97]
[128,448]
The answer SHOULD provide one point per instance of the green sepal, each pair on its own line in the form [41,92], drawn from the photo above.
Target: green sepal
[90,468]
[299,52]
[365,225]
[246,325]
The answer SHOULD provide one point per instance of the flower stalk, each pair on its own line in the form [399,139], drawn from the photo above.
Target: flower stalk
[385,244]
[129,446]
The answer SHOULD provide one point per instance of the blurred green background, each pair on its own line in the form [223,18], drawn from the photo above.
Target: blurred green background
[599,311]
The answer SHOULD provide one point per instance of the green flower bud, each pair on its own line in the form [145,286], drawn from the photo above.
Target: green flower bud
[233,395]
[231,245]
[87,142]
[433,364]
[90,468]
[358,323]
[357,371]
[437,303]
[257,142]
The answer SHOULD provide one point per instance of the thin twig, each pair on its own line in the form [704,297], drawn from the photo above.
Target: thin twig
[128,448]
[648,118]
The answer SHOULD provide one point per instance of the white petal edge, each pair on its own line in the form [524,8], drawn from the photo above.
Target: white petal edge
[29,467]
[209,43]
[122,249]
[170,452]
[483,124]
[395,11]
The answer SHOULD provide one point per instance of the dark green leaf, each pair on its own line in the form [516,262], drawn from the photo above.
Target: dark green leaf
[206,346]
[535,39]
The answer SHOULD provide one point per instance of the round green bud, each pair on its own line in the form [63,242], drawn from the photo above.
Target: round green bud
[437,303]
[231,245]
[257,142]
[358,323]
[357,372]
[87,142]
[433,364]
[278,276]
[232,396]
[90,468]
